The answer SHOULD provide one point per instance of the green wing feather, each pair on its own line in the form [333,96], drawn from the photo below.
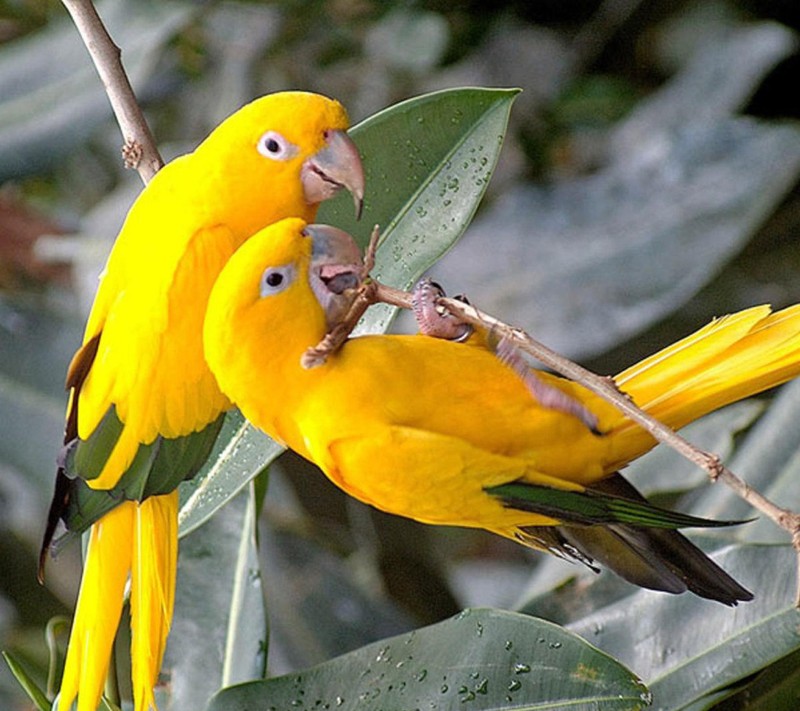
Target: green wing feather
[157,468]
[595,507]
[613,524]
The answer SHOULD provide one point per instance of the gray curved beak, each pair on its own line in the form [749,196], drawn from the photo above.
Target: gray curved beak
[336,269]
[335,166]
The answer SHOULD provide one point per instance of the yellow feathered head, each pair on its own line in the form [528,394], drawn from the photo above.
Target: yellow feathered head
[277,296]
[283,149]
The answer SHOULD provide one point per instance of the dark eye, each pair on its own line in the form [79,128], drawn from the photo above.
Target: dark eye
[276,279]
[273,145]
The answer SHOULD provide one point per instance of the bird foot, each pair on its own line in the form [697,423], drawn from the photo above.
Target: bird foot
[436,321]
[433,319]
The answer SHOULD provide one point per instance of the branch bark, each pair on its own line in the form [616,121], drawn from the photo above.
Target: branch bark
[139,148]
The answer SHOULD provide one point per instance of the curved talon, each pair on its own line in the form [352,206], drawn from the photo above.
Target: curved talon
[434,320]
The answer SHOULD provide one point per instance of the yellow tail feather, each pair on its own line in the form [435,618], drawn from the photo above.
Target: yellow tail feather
[155,557]
[99,607]
[140,540]
[731,358]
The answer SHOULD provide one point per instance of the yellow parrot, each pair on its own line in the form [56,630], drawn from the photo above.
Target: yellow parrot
[447,433]
[144,408]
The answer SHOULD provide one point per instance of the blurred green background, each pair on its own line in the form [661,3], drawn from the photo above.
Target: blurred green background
[648,182]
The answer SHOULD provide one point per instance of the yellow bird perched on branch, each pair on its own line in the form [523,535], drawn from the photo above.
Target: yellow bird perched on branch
[144,408]
[447,433]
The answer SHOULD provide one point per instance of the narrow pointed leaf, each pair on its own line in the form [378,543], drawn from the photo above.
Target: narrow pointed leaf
[241,452]
[428,162]
[36,695]
[245,654]
[219,631]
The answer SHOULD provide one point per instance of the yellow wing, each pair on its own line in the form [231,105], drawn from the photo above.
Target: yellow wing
[149,363]
[430,477]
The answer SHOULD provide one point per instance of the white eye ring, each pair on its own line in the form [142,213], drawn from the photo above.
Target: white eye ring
[274,146]
[275,279]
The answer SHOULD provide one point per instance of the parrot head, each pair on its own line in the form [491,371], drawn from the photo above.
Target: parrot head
[278,295]
[283,154]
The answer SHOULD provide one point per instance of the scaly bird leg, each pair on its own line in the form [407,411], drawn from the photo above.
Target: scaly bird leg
[435,320]
[546,395]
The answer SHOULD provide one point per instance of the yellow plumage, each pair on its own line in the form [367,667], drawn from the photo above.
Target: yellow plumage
[155,554]
[140,387]
[429,429]
[102,586]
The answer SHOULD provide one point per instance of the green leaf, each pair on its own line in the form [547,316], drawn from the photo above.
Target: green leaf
[245,656]
[480,659]
[685,648]
[220,629]
[777,687]
[240,453]
[423,186]
[36,695]
[428,161]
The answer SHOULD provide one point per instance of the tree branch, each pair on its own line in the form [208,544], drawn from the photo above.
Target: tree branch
[139,148]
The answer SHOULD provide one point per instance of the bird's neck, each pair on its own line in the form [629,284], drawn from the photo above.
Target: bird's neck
[269,378]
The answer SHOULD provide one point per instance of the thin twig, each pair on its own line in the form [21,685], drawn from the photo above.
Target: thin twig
[139,148]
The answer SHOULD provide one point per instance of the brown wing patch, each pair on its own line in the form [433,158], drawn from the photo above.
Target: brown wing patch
[78,369]
[76,375]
